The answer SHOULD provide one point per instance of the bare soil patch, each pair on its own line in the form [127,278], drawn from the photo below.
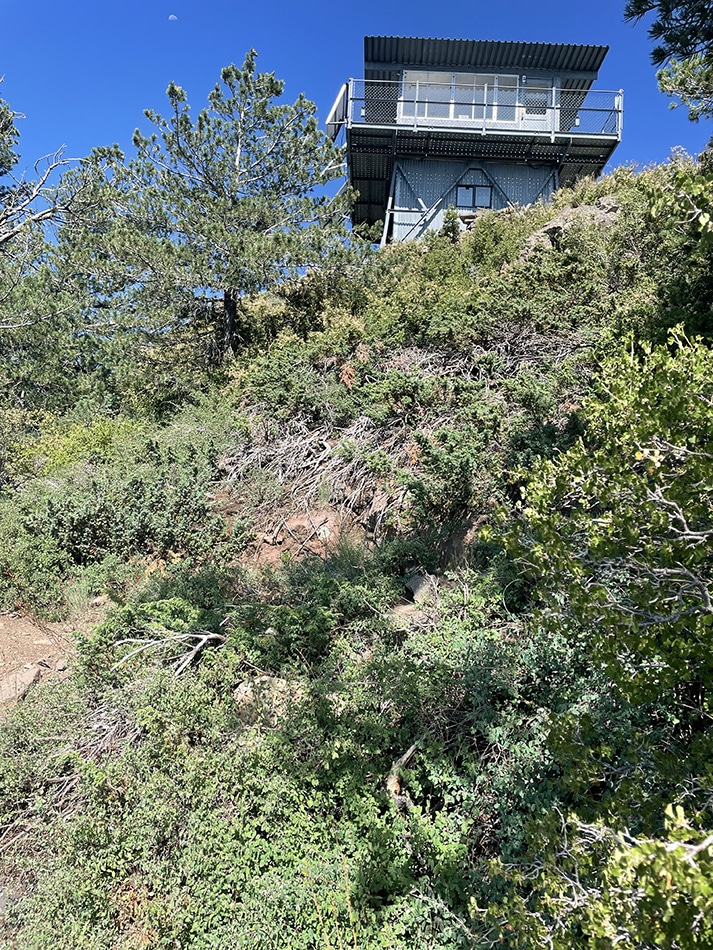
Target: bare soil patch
[296,535]
[32,650]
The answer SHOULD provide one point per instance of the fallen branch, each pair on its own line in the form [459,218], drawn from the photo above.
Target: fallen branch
[393,779]
[196,642]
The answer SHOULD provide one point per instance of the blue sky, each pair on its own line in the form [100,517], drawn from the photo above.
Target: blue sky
[82,73]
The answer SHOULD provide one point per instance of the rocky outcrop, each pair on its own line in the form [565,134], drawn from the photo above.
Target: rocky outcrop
[603,214]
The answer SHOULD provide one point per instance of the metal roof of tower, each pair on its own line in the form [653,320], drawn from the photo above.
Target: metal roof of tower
[381,51]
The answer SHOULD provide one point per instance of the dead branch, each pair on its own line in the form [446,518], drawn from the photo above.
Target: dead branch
[393,779]
[195,643]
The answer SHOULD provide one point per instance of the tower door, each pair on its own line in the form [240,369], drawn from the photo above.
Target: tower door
[537,108]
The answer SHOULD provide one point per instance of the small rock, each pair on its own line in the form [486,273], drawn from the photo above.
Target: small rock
[264,700]
[60,665]
[9,894]
[422,587]
[608,204]
[14,686]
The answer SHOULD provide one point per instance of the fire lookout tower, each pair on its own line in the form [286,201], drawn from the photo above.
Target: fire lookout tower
[471,124]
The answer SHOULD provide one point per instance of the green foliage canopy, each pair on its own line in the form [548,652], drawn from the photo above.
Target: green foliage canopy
[682,28]
[617,536]
[683,32]
[623,524]
[214,209]
[8,138]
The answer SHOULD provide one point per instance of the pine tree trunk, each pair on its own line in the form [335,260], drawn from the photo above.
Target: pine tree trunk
[231,305]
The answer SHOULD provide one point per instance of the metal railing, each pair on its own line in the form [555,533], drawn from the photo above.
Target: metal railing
[517,107]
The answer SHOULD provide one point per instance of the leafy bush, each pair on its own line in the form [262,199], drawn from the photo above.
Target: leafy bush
[115,491]
[335,766]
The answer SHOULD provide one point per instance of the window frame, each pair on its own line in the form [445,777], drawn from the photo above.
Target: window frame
[479,194]
[483,107]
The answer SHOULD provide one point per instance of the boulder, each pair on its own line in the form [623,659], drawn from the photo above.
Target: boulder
[422,587]
[603,213]
[14,685]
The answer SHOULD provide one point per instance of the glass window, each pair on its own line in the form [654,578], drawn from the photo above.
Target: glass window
[427,93]
[536,100]
[506,98]
[464,95]
[465,196]
[479,98]
[484,93]
[483,196]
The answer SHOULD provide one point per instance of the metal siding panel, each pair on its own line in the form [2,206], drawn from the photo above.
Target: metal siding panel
[428,181]
[522,183]
[516,184]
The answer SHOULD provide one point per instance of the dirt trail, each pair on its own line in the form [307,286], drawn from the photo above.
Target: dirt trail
[32,650]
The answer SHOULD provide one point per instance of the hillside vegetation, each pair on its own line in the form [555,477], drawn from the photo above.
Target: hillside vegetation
[408,553]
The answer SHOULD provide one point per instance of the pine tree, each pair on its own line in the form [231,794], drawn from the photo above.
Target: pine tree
[213,210]
[683,33]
